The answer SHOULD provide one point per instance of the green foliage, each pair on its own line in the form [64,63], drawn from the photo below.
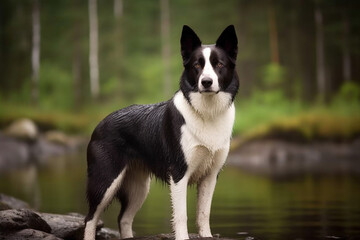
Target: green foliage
[347,100]
[131,64]
[110,87]
[348,93]
[55,87]
[22,95]
[269,113]
[273,75]
[266,104]
[258,117]
[274,97]
[152,80]
[262,109]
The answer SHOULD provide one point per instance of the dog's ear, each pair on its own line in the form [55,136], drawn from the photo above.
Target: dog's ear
[189,42]
[228,42]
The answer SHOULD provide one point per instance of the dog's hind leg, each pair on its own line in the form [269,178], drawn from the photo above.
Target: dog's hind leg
[132,194]
[96,209]
[106,172]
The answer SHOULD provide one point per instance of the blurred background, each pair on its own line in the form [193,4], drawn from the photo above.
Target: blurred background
[293,172]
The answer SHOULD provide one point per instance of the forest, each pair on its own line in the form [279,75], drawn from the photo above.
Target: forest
[67,64]
[293,167]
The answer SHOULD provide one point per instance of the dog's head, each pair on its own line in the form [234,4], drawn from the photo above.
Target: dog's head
[209,70]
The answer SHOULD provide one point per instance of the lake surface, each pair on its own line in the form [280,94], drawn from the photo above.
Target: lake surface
[245,205]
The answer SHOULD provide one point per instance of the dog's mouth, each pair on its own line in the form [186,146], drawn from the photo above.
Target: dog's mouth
[209,91]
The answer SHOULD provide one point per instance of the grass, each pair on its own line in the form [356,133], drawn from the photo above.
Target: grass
[70,122]
[254,119]
[298,122]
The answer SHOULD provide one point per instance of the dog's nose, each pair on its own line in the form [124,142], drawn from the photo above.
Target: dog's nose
[206,82]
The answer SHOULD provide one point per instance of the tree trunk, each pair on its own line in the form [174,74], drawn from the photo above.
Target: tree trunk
[273,35]
[320,55]
[118,43]
[35,53]
[346,50]
[76,57]
[165,40]
[244,70]
[292,84]
[93,56]
[118,8]
[76,70]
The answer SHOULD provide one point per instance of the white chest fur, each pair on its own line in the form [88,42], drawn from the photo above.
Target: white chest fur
[207,129]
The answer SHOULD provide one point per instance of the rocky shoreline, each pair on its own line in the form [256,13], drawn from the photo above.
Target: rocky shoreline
[18,221]
[278,157]
[22,144]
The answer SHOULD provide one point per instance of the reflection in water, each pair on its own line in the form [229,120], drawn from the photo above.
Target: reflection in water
[245,206]
[24,184]
[305,207]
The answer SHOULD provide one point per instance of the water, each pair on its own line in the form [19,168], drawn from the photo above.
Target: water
[245,206]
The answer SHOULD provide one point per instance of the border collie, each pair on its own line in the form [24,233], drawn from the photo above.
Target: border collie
[182,141]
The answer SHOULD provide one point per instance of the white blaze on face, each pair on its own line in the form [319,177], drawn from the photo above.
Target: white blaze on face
[208,72]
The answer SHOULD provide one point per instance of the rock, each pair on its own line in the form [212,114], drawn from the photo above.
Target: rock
[18,219]
[23,129]
[18,224]
[67,226]
[22,144]
[169,236]
[69,141]
[27,234]
[16,153]
[7,202]
[42,150]
[281,158]
[13,153]
[57,137]
[75,214]
[107,233]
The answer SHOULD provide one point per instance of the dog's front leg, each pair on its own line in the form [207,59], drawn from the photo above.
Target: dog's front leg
[178,199]
[205,192]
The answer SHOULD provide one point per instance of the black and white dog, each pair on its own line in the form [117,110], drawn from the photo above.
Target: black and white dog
[182,141]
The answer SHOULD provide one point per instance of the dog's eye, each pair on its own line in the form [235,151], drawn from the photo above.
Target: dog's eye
[197,65]
[219,65]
